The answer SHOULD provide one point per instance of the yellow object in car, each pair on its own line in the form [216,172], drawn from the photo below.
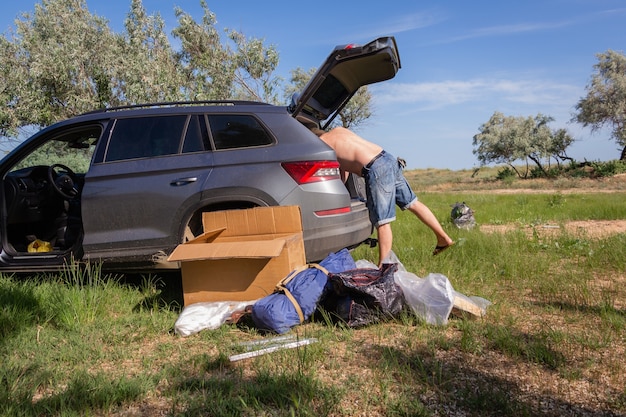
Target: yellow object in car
[38,245]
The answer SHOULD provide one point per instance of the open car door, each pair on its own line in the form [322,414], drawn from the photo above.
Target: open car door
[347,68]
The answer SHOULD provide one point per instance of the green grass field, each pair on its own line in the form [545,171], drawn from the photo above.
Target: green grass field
[552,342]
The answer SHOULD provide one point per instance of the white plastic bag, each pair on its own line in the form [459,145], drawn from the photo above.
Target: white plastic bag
[209,315]
[430,298]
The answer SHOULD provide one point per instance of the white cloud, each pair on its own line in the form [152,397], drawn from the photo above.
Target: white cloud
[452,92]
[400,24]
[410,22]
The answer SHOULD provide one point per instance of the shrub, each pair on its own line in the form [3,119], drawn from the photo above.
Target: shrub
[506,173]
[608,168]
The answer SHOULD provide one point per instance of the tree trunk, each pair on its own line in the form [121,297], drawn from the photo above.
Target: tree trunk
[538,163]
[519,175]
[623,157]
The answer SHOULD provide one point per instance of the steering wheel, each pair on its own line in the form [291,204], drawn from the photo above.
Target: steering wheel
[63,181]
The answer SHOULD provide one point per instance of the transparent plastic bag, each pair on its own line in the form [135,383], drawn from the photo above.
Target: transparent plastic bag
[462,216]
[430,298]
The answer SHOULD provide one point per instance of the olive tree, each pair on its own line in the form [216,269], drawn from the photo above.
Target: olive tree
[507,139]
[218,69]
[56,64]
[62,61]
[605,102]
[254,67]
[145,67]
[9,87]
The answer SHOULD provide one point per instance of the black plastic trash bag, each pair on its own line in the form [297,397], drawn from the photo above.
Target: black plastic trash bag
[364,295]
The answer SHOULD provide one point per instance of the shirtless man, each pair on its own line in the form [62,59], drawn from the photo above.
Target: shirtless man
[385,186]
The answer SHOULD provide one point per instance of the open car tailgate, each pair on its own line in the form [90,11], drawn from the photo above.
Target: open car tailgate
[346,69]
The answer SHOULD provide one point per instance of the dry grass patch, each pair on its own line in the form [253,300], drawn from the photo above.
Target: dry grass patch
[593,229]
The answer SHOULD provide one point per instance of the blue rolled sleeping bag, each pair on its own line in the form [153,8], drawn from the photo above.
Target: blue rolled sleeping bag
[297,295]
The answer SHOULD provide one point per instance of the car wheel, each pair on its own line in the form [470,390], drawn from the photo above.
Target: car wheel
[188,235]
[194,226]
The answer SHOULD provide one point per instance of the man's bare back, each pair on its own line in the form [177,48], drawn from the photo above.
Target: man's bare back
[353,152]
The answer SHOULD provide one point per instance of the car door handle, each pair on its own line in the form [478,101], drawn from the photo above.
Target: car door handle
[183,181]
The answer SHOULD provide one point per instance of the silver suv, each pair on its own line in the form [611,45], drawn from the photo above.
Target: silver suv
[124,186]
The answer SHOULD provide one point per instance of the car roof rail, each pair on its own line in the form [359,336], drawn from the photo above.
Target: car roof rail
[176,104]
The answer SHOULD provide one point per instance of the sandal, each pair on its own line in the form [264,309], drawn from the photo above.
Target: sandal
[439,249]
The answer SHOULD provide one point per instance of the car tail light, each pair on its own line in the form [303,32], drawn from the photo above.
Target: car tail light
[331,212]
[304,172]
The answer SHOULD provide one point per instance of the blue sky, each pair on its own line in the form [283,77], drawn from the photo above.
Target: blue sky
[461,61]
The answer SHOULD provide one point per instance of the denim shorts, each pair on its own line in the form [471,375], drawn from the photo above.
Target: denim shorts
[386,187]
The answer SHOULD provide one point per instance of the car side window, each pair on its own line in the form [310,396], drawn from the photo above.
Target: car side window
[145,137]
[196,138]
[237,131]
[72,147]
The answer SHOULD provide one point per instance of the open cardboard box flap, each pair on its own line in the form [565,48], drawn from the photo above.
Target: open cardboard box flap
[228,250]
[206,237]
[254,233]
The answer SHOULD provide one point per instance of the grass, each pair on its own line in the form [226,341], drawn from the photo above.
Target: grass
[552,343]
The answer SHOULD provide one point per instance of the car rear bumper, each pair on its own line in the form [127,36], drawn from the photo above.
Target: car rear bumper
[335,232]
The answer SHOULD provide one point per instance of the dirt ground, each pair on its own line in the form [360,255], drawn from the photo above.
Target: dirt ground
[587,228]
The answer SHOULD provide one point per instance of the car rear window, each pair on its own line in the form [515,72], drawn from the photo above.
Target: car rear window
[145,137]
[237,131]
[331,93]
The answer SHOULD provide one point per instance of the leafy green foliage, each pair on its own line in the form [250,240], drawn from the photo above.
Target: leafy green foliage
[505,173]
[62,61]
[609,168]
[53,63]
[53,152]
[605,102]
[594,169]
[506,139]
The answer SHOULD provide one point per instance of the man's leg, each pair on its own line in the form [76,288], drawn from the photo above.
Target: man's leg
[428,218]
[385,240]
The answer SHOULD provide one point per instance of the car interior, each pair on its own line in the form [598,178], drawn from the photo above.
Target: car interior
[42,194]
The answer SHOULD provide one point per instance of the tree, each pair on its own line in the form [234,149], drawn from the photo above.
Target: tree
[9,81]
[354,114]
[605,102]
[254,67]
[54,63]
[62,61]
[205,63]
[559,142]
[506,139]
[145,68]
[215,71]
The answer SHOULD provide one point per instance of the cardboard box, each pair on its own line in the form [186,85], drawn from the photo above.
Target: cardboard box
[241,255]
